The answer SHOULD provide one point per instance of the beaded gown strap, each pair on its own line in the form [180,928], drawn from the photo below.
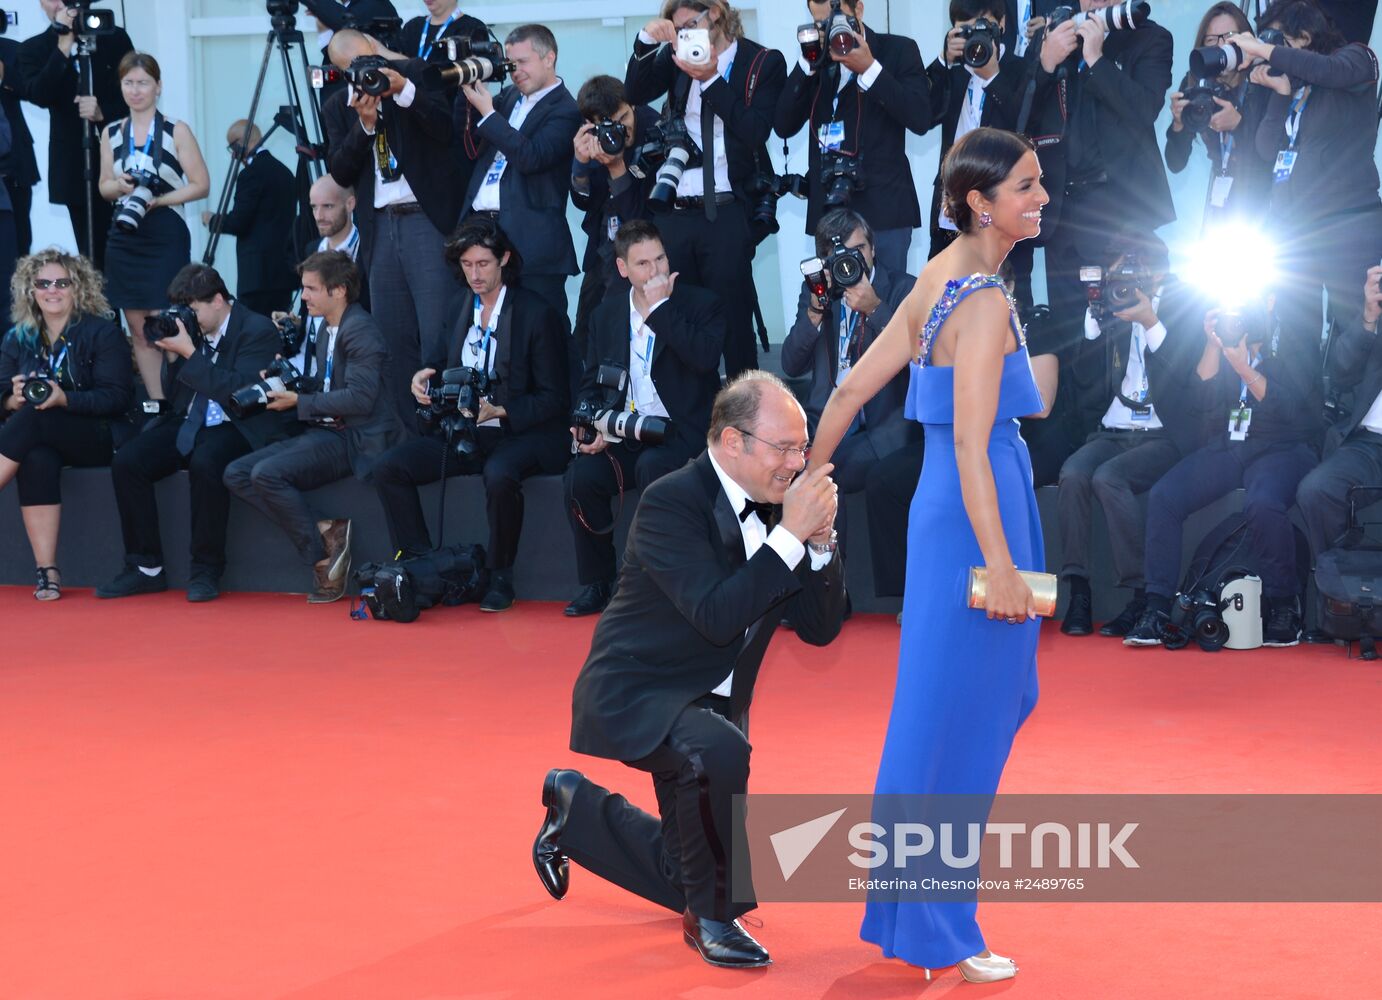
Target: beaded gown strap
[956,291]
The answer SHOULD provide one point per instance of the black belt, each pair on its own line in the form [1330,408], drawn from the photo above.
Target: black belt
[1127,430]
[696,203]
[485,213]
[402,208]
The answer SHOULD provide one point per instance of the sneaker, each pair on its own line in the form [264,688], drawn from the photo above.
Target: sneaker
[1126,620]
[1282,627]
[132,580]
[1079,615]
[1149,630]
[203,585]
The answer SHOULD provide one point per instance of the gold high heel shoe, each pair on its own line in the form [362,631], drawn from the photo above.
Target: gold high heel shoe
[980,969]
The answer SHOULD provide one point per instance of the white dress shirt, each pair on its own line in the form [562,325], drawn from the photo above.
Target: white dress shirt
[1372,420]
[480,347]
[487,198]
[643,395]
[1135,382]
[395,192]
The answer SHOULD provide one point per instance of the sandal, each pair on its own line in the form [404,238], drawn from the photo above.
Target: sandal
[48,589]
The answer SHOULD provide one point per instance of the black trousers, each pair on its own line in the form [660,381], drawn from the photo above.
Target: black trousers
[681,858]
[101,213]
[502,460]
[1323,494]
[22,197]
[267,301]
[888,491]
[717,255]
[43,441]
[592,485]
[152,456]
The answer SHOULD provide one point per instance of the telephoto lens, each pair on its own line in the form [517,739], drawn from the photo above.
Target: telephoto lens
[132,208]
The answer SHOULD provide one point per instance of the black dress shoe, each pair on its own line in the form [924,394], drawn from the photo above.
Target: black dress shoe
[203,585]
[723,942]
[590,601]
[1079,616]
[499,597]
[130,581]
[1126,620]
[549,860]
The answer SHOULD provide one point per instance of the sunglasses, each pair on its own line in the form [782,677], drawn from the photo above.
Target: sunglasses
[46,283]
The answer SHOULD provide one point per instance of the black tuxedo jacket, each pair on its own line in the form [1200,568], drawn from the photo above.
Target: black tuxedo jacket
[50,81]
[876,123]
[261,220]
[532,192]
[530,360]
[688,338]
[18,165]
[746,102]
[690,608]
[809,349]
[249,344]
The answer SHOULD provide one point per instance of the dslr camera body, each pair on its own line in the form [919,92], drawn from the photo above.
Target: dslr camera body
[1198,615]
[1114,290]
[1124,16]
[764,190]
[37,389]
[844,267]
[981,41]
[840,176]
[1200,106]
[606,415]
[612,136]
[455,405]
[667,152]
[132,208]
[365,74]
[163,324]
[280,376]
[457,62]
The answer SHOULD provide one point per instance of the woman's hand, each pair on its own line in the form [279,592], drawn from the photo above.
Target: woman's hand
[16,397]
[1251,46]
[1280,84]
[1008,597]
[124,184]
[1178,103]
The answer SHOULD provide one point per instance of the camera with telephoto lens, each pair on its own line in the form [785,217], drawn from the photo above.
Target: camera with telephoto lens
[764,190]
[839,29]
[1226,57]
[981,41]
[461,61]
[612,136]
[845,266]
[1120,17]
[164,324]
[1200,105]
[280,376]
[606,415]
[1198,616]
[840,178]
[669,150]
[455,405]
[131,209]
[37,389]
[1112,291]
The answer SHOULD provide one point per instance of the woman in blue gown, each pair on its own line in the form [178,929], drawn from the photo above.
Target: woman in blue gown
[966,679]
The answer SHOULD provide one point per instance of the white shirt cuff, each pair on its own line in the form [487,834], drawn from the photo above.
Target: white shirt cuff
[405,97]
[806,67]
[820,560]
[653,308]
[485,118]
[786,545]
[646,38]
[1091,326]
[1155,336]
[870,75]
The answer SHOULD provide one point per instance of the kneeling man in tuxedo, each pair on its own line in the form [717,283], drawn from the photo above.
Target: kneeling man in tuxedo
[716,557]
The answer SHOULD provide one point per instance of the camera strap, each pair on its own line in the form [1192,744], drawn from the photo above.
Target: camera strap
[481,346]
[149,158]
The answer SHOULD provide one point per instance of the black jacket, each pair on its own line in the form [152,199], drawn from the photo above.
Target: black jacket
[357,398]
[245,349]
[1355,363]
[1251,173]
[18,165]
[746,102]
[261,220]
[876,122]
[50,81]
[688,337]
[601,201]
[532,192]
[1288,414]
[690,608]
[98,364]
[809,349]
[530,363]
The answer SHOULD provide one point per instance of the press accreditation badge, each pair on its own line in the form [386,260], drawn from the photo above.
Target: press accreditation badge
[832,136]
[496,169]
[1239,420]
[612,227]
[1285,163]
[1218,193]
[139,160]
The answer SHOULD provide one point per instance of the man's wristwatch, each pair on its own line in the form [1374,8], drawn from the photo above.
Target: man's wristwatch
[826,548]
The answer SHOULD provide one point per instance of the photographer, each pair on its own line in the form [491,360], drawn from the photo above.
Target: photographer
[665,338]
[150,165]
[522,159]
[727,104]
[859,107]
[229,347]
[395,153]
[605,189]
[1099,95]
[1258,391]
[507,343]
[50,68]
[261,220]
[349,424]
[1138,361]
[1318,131]
[1242,179]
[827,339]
[1353,448]
[65,390]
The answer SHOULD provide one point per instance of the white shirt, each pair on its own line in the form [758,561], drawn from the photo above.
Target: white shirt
[397,192]
[692,183]
[756,535]
[1135,383]
[331,332]
[214,414]
[866,79]
[643,395]
[478,351]
[1024,14]
[971,117]
[487,198]
[1372,420]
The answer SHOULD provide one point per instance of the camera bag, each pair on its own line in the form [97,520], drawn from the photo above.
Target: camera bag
[400,591]
[1348,580]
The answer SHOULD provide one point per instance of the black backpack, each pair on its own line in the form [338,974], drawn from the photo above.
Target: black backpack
[1348,582]
[400,591]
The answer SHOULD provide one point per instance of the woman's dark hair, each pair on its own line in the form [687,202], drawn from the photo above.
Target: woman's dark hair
[336,270]
[963,10]
[197,283]
[980,161]
[139,60]
[482,231]
[1240,23]
[600,97]
[1304,17]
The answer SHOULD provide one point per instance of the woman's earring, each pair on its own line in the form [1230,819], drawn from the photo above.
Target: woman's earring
[985,220]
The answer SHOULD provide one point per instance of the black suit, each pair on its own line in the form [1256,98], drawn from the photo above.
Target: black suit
[19,167]
[247,346]
[719,254]
[261,220]
[530,370]
[532,190]
[690,608]
[876,123]
[50,81]
[688,333]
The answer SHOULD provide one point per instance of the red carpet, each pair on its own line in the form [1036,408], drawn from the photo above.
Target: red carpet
[257,799]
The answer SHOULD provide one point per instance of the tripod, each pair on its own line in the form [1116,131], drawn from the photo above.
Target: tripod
[284,35]
[83,46]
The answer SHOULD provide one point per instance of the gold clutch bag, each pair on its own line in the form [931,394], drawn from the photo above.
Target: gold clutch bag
[1043,589]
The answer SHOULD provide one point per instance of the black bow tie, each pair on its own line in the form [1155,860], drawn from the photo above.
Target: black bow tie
[767,513]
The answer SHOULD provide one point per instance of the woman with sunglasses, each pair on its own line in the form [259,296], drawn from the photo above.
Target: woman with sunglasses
[65,392]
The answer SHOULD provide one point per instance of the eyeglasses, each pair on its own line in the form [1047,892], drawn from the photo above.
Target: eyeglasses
[695,21]
[45,283]
[1219,39]
[805,452]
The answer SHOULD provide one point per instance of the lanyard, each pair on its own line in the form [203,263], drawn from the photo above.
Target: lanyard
[330,357]
[1138,346]
[1225,152]
[849,322]
[1293,117]
[976,108]
[483,346]
[1020,45]
[424,47]
[148,141]
[1243,392]
[55,365]
[647,356]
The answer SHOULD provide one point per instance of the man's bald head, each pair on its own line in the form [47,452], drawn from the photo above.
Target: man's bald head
[235,135]
[348,44]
